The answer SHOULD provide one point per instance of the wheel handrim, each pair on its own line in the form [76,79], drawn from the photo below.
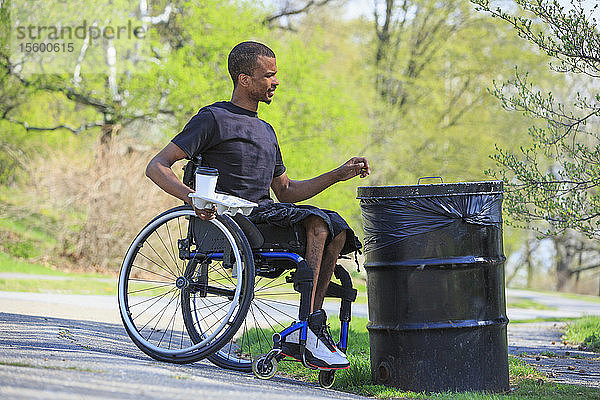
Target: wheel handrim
[172,294]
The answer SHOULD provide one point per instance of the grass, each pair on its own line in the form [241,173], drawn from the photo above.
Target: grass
[585,331]
[574,296]
[526,382]
[25,234]
[522,302]
[9,263]
[361,286]
[68,286]
[62,282]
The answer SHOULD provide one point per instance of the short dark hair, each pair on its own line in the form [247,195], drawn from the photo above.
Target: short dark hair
[243,58]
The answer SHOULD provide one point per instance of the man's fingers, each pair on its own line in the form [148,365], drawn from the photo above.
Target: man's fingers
[357,166]
[206,213]
[360,161]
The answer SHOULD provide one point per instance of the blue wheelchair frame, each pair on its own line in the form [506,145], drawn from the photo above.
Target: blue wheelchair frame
[303,282]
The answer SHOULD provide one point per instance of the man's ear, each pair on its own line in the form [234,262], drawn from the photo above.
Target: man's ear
[244,80]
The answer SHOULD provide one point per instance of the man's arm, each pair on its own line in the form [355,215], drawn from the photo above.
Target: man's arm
[160,172]
[290,191]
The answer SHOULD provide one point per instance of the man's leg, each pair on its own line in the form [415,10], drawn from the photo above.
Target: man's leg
[320,350]
[316,235]
[330,256]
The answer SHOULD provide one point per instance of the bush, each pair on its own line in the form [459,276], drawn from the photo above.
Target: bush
[104,200]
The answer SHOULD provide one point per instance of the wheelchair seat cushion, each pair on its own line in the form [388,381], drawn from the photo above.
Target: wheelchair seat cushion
[288,215]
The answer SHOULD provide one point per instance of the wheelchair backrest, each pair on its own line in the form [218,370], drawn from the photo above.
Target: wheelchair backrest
[189,172]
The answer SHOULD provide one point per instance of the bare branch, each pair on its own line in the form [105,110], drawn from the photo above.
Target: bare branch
[76,131]
[286,12]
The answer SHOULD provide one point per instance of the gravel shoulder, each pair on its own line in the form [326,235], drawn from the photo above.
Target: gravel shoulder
[541,345]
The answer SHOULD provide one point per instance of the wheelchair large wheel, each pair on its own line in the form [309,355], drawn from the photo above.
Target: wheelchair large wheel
[274,307]
[166,265]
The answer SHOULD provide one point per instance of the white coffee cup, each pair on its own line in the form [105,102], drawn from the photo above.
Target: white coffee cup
[206,181]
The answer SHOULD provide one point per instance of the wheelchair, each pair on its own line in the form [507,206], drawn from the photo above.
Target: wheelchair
[225,289]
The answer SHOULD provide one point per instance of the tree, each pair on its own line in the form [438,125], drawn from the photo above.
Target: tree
[556,178]
[432,62]
[312,115]
[98,73]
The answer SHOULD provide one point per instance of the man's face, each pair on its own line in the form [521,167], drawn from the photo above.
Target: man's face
[263,81]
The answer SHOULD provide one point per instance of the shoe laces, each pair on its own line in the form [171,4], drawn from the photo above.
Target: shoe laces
[325,335]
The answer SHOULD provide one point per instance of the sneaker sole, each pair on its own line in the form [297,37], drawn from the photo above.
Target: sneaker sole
[316,366]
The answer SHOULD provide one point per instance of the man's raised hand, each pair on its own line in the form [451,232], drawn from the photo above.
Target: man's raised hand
[354,167]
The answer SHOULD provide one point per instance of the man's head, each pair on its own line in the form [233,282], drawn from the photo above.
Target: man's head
[252,68]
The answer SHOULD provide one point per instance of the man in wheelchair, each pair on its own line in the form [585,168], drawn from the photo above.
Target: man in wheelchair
[230,137]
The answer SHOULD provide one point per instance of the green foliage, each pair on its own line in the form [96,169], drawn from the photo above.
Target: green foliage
[519,368]
[9,264]
[327,109]
[556,177]
[592,342]
[24,234]
[79,285]
[439,119]
[586,331]
[522,302]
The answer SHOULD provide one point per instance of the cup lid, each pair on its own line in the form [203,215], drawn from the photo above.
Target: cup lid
[207,171]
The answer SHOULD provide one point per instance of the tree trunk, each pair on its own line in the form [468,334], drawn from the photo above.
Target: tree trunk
[563,261]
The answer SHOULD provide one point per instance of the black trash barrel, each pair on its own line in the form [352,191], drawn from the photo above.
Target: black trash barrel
[435,286]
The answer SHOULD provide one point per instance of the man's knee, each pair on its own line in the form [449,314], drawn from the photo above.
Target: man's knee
[316,227]
[340,238]
[338,242]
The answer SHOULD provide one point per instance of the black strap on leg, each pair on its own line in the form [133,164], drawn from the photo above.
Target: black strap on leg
[303,283]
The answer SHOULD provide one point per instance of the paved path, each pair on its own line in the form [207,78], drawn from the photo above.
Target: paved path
[562,307]
[104,308]
[58,358]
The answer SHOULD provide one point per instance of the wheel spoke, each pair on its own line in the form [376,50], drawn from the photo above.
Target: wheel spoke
[276,309]
[152,272]
[171,323]
[148,299]
[167,249]
[147,308]
[157,264]
[161,259]
[162,312]
[174,252]
[266,286]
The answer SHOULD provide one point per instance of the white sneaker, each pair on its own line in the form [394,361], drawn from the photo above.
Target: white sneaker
[321,351]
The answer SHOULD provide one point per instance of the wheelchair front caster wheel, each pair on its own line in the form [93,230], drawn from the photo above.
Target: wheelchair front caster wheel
[264,369]
[326,378]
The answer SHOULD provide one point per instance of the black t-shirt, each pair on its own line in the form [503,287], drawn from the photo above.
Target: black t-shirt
[236,142]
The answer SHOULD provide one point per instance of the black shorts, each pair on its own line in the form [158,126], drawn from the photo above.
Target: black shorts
[288,215]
